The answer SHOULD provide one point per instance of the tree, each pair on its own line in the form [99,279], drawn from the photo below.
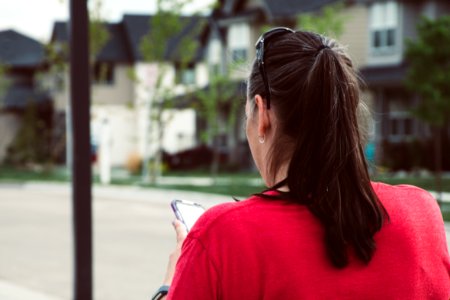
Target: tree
[98,33]
[429,76]
[4,82]
[217,104]
[167,28]
[328,21]
[31,145]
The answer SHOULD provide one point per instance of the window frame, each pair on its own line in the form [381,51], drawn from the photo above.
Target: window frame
[180,75]
[402,118]
[239,42]
[110,73]
[384,21]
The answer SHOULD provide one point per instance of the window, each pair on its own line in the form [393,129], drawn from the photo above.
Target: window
[384,19]
[221,142]
[239,54]
[238,41]
[186,75]
[103,73]
[401,126]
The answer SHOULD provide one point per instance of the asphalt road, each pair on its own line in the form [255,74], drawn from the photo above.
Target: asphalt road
[132,240]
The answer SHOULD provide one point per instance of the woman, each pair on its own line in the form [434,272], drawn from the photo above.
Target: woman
[322,230]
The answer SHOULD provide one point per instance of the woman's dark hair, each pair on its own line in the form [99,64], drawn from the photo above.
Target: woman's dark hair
[315,96]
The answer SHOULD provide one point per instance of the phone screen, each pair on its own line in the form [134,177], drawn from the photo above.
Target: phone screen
[187,212]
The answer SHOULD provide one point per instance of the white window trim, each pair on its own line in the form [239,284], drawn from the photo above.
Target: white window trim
[239,38]
[401,135]
[396,24]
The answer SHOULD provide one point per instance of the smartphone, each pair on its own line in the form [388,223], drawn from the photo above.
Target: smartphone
[187,212]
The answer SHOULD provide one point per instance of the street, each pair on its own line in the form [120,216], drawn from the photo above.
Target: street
[133,237]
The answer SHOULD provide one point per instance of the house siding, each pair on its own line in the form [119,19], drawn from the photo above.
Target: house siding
[120,92]
[120,121]
[355,33]
[411,13]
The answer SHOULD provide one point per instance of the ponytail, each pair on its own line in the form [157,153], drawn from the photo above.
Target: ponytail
[327,170]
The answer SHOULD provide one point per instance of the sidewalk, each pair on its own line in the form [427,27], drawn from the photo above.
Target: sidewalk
[10,291]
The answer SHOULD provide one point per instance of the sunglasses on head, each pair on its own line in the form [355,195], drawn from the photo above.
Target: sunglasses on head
[260,44]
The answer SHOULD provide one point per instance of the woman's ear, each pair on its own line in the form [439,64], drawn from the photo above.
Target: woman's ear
[263,116]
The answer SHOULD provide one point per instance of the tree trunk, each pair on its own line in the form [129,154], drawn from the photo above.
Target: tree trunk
[215,160]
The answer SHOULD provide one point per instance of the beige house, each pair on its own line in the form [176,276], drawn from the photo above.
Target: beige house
[122,89]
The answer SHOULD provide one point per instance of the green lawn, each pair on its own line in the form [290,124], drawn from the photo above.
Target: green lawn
[10,174]
[227,183]
[425,183]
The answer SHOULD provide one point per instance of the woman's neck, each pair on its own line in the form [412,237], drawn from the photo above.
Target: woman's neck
[280,176]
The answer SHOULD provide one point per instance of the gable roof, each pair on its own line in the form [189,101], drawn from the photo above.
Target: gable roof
[125,37]
[137,26]
[273,9]
[20,51]
[289,8]
[115,48]
[18,95]
[59,32]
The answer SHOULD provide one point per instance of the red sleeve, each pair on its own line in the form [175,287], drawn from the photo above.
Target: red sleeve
[196,277]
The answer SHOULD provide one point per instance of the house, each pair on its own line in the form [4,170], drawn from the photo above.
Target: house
[397,133]
[22,58]
[375,32]
[123,86]
[234,27]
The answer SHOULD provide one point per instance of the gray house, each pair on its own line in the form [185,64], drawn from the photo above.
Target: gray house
[375,33]
[402,141]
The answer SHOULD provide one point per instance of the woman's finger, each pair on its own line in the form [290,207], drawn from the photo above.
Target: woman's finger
[180,230]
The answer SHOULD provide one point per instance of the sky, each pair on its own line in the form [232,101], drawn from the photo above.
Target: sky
[35,18]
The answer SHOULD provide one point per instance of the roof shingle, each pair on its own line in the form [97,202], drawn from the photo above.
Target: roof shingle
[125,37]
[20,51]
[287,8]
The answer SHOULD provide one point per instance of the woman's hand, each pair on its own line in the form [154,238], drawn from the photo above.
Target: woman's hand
[181,233]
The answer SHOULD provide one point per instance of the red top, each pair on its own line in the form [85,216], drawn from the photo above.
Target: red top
[273,249]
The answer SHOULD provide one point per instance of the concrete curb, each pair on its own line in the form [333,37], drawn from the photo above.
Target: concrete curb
[141,193]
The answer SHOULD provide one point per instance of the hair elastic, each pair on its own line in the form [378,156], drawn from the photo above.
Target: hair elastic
[321,47]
